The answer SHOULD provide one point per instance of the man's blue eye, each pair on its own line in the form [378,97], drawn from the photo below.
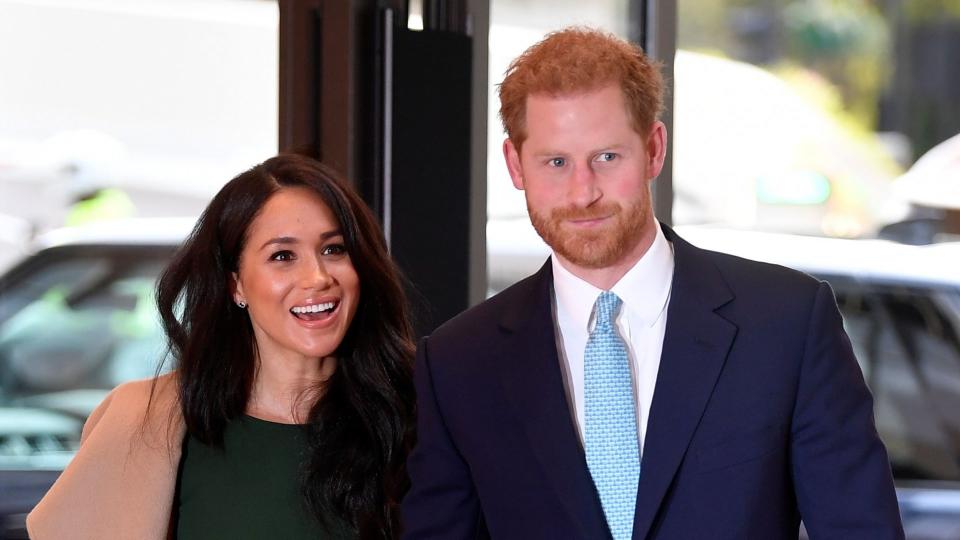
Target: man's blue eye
[607,156]
[557,162]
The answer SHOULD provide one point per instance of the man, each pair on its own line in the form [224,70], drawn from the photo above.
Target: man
[636,386]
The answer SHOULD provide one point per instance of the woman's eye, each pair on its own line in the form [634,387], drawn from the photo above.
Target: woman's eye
[557,162]
[285,255]
[334,249]
[606,156]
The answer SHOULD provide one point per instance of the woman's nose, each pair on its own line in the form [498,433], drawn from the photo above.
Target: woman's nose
[316,276]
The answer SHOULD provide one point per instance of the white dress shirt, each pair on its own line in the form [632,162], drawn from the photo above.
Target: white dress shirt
[645,292]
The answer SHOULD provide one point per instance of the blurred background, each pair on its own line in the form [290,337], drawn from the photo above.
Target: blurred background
[800,116]
[818,134]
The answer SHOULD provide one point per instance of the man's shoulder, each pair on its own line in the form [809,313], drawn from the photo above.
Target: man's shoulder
[753,294]
[743,274]
[486,317]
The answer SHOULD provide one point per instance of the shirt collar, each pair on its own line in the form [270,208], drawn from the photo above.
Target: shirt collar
[644,289]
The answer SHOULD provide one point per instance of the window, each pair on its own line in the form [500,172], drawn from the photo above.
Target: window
[111,109]
[114,108]
[802,115]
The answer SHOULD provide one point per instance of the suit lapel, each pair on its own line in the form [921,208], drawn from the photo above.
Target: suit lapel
[534,384]
[695,347]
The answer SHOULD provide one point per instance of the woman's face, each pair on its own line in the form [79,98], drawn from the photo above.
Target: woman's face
[296,277]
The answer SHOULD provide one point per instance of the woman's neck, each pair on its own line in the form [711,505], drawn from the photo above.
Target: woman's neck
[284,389]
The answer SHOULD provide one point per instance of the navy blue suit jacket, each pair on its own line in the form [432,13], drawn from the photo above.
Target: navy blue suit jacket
[760,416]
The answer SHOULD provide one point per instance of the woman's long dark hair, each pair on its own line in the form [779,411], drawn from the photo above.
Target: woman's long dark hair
[361,428]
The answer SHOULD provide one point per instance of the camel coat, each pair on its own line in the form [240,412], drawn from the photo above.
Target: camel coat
[121,482]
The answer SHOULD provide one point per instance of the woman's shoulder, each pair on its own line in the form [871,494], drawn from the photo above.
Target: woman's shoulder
[134,403]
[134,433]
[143,389]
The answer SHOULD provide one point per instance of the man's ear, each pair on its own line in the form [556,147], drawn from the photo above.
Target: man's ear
[512,157]
[656,149]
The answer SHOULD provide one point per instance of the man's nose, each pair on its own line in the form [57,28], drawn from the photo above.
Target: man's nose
[584,189]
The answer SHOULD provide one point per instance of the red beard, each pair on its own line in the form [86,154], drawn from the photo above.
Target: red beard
[601,247]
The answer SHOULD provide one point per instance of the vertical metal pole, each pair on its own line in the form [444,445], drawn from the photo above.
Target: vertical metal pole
[654,27]
[477,25]
[387,124]
[299,77]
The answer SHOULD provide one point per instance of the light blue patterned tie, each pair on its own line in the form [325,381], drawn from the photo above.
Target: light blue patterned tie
[610,434]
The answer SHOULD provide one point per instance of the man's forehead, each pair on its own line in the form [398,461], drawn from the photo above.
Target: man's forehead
[571,94]
[576,111]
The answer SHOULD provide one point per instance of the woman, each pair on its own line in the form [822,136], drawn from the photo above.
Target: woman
[290,411]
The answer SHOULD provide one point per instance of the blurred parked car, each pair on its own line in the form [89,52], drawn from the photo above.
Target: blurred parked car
[77,318]
[901,308]
[932,187]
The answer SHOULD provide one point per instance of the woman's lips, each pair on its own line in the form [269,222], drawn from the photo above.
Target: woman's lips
[316,319]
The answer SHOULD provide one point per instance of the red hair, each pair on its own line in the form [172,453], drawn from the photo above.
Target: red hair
[575,60]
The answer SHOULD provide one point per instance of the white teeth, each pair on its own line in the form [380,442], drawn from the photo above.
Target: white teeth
[315,308]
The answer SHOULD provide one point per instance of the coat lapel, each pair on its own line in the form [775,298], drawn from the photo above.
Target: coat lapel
[535,386]
[695,347]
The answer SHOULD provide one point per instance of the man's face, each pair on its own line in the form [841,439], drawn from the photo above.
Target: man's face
[586,175]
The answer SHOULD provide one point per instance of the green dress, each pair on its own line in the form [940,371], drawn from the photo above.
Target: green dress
[250,489]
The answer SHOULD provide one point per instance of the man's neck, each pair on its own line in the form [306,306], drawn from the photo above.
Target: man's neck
[606,277]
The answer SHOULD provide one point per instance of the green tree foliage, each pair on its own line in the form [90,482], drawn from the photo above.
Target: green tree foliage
[704,26]
[848,42]
[931,10]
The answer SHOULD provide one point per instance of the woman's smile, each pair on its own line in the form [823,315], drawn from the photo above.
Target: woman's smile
[320,314]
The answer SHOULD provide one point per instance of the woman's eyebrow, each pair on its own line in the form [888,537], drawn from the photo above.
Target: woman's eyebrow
[280,240]
[288,240]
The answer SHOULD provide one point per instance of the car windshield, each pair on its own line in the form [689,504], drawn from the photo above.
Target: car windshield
[74,323]
[906,339]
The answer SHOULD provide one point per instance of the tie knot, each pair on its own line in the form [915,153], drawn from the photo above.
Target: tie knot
[606,308]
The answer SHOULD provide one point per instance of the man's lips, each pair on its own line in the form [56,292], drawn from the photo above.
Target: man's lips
[588,221]
[585,216]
